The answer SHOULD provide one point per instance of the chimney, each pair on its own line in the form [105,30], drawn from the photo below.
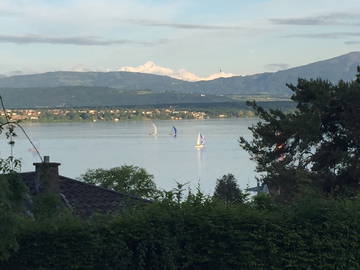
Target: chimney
[47,176]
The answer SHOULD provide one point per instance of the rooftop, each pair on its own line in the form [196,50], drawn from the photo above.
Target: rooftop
[84,199]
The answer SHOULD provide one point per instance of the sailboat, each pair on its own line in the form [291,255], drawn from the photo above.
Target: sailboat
[154,132]
[200,141]
[174,132]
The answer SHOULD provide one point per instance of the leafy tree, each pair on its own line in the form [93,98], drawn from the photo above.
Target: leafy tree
[12,198]
[228,190]
[127,178]
[263,201]
[12,191]
[315,148]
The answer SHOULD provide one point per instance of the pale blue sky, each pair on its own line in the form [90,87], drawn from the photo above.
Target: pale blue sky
[200,36]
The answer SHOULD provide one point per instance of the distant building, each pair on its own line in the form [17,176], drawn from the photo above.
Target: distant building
[83,199]
[263,188]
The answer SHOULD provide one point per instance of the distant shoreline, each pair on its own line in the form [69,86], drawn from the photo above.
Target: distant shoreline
[130,120]
[142,113]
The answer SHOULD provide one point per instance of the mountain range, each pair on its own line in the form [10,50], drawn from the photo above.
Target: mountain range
[102,87]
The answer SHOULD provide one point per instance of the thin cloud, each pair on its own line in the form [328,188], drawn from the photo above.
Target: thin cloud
[299,21]
[151,23]
[331,35]
[352,42]
[81,41]
[327,19]
[5,13]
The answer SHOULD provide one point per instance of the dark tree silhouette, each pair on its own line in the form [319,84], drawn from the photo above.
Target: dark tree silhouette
[314,148]
[228,190]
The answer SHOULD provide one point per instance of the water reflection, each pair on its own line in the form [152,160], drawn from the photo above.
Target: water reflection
[199,158]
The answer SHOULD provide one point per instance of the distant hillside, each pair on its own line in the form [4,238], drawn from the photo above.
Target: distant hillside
[119,80]
[270,84]
[335,69]
[81,96]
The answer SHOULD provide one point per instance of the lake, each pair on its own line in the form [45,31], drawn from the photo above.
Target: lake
[79,146]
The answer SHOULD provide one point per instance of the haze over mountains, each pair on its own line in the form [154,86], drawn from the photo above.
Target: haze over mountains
[65,88]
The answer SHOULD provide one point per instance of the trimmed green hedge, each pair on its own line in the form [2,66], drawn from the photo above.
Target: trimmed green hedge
[315,234]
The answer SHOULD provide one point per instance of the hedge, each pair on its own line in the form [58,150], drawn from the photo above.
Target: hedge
[309,235]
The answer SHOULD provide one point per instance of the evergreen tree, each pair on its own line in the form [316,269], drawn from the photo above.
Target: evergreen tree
[228,190]
[317,146]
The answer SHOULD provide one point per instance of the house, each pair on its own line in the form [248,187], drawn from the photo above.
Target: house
[260,188]
[83,199]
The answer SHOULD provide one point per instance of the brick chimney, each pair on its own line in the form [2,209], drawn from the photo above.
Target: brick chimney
[47,176]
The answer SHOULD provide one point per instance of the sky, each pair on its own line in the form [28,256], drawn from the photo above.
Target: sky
[185,39]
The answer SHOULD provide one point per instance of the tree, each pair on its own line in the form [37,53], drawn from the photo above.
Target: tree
[127,178]
[12,190]
[227,190]
[12,197]
[314,148]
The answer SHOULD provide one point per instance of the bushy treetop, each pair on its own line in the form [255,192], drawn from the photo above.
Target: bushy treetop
[317,146]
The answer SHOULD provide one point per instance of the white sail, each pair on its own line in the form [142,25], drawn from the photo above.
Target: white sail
[155,132]
[200,141]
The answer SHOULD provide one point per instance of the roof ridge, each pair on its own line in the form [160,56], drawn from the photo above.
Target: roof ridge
[86,199]
[106,189]
[102,188]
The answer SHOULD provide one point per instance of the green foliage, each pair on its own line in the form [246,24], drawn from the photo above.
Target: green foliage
[48,205]
[12,190]
[12,197]
[7,127]
[127,178]
[198,198]
[228,191]
[316,148]
[9,164]
[313,234]
[263,201]
[177,197]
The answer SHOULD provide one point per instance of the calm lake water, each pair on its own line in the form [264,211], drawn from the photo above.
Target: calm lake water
[79,146]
